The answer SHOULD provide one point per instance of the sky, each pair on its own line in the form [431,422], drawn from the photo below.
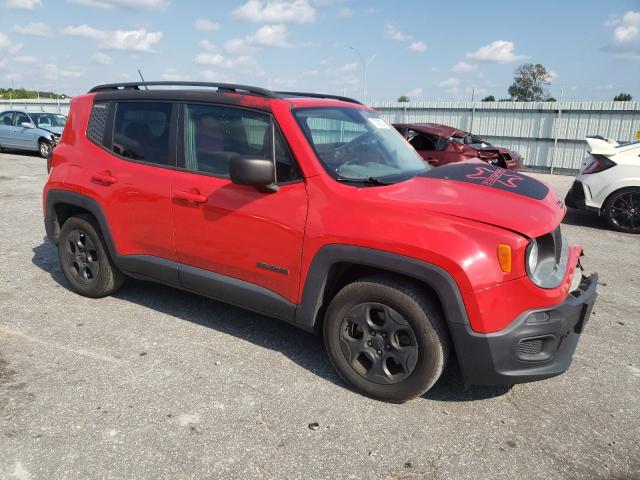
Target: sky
[427,50]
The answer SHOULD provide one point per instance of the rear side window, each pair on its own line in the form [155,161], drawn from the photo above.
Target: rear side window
[6,119]
[215,135]
[98,123]
[141,131]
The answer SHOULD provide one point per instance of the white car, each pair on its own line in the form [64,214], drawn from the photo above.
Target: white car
[609,183]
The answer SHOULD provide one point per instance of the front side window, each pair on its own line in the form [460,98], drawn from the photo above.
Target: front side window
[215,135]
[141,131]
[22,118]
[356,144]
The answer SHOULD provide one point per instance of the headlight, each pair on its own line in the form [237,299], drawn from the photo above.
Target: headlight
[546,259]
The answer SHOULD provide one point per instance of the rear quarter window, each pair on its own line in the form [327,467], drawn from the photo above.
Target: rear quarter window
[98,123]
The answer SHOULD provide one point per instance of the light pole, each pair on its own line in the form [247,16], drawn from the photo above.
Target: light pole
[365,64]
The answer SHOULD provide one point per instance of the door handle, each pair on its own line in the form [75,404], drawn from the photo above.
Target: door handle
[104,177]
[192,197]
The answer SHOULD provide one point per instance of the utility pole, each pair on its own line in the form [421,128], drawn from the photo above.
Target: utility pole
[473,108]
[365,64]
[555,130]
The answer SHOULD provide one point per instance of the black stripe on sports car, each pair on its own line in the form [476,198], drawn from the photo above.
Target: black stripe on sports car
[490,176]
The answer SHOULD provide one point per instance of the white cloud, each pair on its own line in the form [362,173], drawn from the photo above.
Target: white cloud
[345,12]
[206,25]
[500,51]
[276,11]
[35,29]
[173,75]
[625,38]
[311,73]
[102,58]
[418,47]
[6,45]
[349,68]
[25,59]
[207,45]
[450,82]
[10,77]
[124,4]
[243,63]
[269,36]
[210,58]
[463,67]
[130,40]
[281,83]
[416,92]
[23,4]
[52,72]
[393,33]
[237,46]
[553,76]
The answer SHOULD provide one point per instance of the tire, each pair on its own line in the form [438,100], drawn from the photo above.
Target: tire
[84,260]
[44,148]
[622,210]
[406,348]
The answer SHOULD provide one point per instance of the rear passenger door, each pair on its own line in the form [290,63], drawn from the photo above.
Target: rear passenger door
[6,129]
[131,173]
[236,230]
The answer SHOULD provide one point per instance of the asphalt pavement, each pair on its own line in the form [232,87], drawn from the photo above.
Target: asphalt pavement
[157,383]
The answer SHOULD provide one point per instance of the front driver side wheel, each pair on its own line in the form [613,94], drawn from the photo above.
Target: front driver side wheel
[386,337]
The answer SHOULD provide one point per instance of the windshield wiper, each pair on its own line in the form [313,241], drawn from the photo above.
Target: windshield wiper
[366,181]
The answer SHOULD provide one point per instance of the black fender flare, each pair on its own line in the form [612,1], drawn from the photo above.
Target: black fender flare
[435,277]
[55,197]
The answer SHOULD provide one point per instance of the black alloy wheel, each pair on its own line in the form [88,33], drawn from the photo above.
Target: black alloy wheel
[379,343]
[82,256]
[623,210]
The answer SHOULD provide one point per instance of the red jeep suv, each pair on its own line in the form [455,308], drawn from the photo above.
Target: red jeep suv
[312,209]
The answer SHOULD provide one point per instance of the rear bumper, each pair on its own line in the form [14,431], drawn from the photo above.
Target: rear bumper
[532,347]
[576,197]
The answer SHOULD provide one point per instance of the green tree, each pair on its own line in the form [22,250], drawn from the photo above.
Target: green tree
[489,98]
[403,99]
[623,97]
[529,83]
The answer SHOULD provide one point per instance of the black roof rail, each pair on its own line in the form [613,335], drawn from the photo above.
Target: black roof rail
[318,95]
[222,87]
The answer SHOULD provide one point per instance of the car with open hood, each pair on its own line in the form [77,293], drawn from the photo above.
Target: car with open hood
[312,209]
[440,145]
[33,131]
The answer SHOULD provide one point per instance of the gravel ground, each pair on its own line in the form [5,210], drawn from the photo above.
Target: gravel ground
[158,383]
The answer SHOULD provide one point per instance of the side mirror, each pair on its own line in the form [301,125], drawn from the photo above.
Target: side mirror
[257,172]
[26,125]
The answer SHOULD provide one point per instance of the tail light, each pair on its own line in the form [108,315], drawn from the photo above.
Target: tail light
[598,163]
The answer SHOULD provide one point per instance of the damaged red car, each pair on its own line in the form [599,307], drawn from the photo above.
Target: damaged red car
[439,145]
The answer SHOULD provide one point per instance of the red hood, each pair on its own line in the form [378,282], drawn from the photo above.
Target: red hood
[485,194]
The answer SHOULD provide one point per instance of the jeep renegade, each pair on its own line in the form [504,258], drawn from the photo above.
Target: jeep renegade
[314,210]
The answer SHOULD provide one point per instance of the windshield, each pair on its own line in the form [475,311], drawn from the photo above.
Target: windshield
[48,119]
[356,144]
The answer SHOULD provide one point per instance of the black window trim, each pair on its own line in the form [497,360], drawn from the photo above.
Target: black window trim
[180,152]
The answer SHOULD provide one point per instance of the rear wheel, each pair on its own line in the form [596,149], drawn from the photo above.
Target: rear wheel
[386,338]
[84,259]
[622,210]
[45,148]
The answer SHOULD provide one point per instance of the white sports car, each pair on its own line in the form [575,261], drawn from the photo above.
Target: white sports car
[609,183]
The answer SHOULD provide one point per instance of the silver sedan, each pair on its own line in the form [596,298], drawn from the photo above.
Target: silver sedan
[32,131]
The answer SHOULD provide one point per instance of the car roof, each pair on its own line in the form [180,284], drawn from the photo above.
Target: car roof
[244,95]
[434,129]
